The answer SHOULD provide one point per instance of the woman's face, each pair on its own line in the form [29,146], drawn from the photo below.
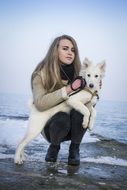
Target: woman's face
[66,51]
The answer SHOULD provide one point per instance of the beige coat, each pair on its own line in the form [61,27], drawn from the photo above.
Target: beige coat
[44,101]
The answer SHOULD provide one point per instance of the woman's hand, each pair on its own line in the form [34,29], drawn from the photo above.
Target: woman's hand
[75,85]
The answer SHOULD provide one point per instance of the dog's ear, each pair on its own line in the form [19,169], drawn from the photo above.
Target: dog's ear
[86,63]
[102,67]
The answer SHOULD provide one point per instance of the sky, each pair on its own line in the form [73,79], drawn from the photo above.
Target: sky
[27,28]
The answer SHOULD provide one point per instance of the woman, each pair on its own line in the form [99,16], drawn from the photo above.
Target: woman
[52,82]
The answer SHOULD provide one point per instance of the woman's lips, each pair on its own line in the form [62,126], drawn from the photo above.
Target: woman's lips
[70,58]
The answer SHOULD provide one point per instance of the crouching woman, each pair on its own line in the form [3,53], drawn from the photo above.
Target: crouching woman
[52,81]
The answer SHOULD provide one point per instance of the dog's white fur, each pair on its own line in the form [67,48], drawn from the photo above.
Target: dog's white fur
[82,101]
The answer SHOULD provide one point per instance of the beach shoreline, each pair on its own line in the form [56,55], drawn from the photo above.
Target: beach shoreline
[93,172]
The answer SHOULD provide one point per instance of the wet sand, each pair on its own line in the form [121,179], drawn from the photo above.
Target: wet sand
[37,174]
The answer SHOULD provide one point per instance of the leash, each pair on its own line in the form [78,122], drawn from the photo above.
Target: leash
[83,83]
[95,93]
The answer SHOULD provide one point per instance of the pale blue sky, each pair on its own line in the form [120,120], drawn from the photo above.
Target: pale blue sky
[28,27]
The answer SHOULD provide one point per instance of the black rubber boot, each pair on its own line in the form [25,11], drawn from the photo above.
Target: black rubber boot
[52,153]
[74,156]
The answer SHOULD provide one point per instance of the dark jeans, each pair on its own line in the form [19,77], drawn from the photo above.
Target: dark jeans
[63,127]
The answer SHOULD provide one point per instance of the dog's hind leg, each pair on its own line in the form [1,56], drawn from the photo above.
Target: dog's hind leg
[35,126]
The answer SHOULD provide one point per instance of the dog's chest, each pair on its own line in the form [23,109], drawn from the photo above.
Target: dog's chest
[82,96]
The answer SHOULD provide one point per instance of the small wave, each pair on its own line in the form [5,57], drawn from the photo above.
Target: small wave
[106,160]
[19,117]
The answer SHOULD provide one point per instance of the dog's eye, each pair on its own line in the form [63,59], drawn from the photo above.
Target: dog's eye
[96,76]
[88,75]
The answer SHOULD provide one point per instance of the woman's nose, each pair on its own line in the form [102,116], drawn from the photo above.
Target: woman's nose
[69,51]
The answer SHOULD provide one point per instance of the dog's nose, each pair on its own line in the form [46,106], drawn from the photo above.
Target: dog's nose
[91,85]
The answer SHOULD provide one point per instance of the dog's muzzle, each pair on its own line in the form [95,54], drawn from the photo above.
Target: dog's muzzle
[91,85]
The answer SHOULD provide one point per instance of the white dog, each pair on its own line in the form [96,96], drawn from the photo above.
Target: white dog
[83,101]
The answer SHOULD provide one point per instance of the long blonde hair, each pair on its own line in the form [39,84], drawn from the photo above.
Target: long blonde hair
[51,65]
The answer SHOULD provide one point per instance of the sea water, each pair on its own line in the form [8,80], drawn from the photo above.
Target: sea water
[111,122]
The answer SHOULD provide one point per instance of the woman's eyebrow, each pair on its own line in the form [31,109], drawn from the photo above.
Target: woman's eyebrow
[66,46]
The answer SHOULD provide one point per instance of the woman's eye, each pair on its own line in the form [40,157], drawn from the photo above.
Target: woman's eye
[96,76]
[65,48]
[73,50]
[88,75]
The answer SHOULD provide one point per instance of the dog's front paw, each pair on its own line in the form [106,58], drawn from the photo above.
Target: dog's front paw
[85,123]
[90,126]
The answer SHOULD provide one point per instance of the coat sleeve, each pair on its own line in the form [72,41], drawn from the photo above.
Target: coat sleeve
[44,101]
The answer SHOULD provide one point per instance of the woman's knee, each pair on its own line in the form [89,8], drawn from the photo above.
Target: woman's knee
[60,119]
[76,116]
[59,127]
